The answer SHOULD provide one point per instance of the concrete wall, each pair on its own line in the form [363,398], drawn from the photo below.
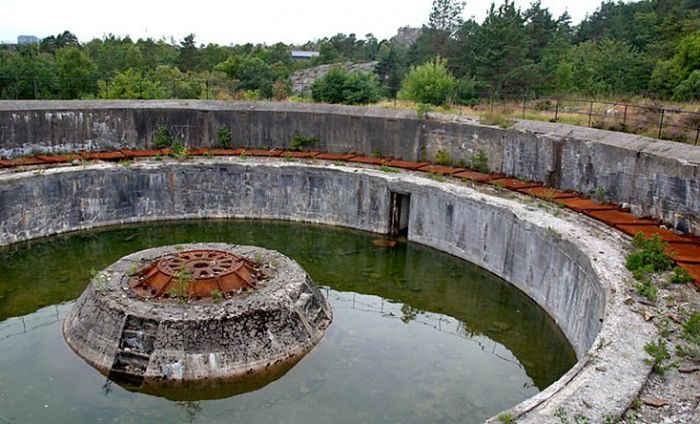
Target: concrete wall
[656,178]
[547,257]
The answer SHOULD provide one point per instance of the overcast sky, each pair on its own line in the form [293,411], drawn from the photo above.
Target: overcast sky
[232,22]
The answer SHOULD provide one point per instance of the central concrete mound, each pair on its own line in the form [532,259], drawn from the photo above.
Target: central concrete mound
[220,318]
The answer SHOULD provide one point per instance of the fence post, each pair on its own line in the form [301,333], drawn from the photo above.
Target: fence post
[661,122]
[556,111]
[524,105]
[491,103]
[624,119]
[207,84]
[697,136]
[590,113]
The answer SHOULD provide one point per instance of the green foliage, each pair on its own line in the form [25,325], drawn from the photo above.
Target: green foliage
[223,137]
[691,328]
[442,157]
[480,162]
[162,138]
[299,142]
[339,86]
[648,289]
[505,418]
[680,276]
[688,89]
[422,110]
[648,254]
[659,355]
[429,83]
[180,151]
[76,71]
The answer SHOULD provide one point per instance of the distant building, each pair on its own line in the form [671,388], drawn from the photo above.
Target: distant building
[304,55]
[27,39]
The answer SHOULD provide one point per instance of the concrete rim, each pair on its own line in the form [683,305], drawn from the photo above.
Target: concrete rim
[608,375]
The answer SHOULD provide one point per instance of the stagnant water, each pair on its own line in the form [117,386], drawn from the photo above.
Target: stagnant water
[418,336]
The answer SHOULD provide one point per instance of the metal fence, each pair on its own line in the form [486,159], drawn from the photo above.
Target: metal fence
[653,120]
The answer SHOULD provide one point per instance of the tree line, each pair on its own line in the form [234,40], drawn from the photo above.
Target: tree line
[647,47]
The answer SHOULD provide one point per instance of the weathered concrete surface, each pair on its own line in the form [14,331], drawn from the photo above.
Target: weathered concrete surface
[198,343]
[569,265]
[656,178]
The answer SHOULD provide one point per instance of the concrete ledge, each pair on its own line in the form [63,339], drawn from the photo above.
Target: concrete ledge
[569,265]
[656,178]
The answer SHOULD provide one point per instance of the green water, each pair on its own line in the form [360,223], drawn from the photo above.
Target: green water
[418,336]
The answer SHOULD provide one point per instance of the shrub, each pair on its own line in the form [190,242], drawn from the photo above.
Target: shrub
[680,276]
[429,83]
[649,254]
[223,137]
[659,354]
[298,142]
[480,162]
[339,86]
[442,157]
[162,138]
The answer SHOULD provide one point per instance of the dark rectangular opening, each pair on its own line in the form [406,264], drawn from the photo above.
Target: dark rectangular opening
[399,205]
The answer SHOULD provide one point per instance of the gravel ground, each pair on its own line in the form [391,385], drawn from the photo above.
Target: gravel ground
[671,396]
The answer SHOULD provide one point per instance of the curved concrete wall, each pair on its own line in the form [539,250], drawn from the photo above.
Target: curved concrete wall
[656,178]
[568,267]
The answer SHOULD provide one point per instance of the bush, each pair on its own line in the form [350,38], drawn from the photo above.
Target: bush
[162,138]
[688,89]
[299,142]
[223,136]
[480,162]
[339,86]
[429,83]
[649,255]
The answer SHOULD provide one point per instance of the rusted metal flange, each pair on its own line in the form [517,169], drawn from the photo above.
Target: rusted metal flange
[196,274]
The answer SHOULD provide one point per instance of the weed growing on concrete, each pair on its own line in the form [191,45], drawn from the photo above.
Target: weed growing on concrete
[216,296]
[223,137]
[600,195]
[462,163]
[38,172]
[338,163]
[648,255]
[99,280]
[162,139]
[125,163]
[691,328]
[389,169]
[258,258]
[133,269]
[437,176]
[288,157]
[442,157]
[658,351]
[180,151]
[299,142]
[680,276]
[505,418]
[554,232]
[480,162]
[648,289]
[581,419]
[243,156]
[181,285]
[158,158]
[562,415]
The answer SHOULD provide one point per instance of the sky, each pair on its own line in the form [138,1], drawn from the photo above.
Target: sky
[235,22]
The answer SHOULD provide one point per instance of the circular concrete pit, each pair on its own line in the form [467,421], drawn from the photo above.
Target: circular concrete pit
[172,319]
